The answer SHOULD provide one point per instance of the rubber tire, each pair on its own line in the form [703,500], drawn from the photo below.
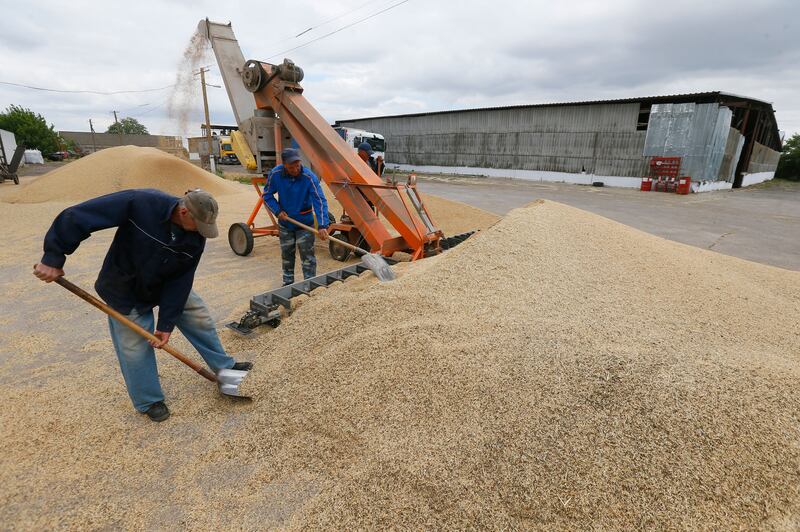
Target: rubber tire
[240,238]
[16,179]
[338,252]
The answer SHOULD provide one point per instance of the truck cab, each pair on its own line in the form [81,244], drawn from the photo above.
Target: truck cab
[354,137]
[225,147]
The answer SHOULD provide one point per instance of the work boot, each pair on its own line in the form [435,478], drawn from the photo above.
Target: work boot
[243,366]
[158,411]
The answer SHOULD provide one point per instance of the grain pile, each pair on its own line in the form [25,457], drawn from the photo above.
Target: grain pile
[116,169]
[540,375]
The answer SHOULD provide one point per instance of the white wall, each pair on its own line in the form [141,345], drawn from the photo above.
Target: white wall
[527,175]
[710,186]
[577,179]
[754,179]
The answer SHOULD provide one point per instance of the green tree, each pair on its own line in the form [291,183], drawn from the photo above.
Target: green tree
[128,126]
[30,129]
[789,164]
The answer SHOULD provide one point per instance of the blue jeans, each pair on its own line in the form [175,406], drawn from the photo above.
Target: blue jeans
[137,359]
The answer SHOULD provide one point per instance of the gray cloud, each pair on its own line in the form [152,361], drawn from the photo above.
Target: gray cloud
[421,56]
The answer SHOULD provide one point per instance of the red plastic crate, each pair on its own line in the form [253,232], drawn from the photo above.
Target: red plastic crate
[664,173]
[684,185]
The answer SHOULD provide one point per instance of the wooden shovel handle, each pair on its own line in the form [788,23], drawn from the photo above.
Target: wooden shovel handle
[340,241]
[89,298]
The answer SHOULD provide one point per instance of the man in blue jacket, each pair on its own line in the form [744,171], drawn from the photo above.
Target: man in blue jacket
[300,197]
[151,262]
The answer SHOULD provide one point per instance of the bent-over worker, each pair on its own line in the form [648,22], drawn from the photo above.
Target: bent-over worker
[300,197]
[151,263]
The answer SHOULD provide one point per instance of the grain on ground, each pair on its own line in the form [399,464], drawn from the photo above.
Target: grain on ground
[541,375]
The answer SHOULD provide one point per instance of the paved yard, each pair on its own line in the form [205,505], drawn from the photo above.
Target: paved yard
[760,223]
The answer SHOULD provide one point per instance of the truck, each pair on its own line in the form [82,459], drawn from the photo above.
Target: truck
[225,147]
[353,137]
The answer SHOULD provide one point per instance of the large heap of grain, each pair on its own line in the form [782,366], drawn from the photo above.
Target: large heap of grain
[556,371]
[116,169]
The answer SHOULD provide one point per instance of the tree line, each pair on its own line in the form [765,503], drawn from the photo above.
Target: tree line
[32,131]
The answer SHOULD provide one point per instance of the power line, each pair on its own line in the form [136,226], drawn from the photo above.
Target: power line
[311,28]
[111,93]
[150,110]
[339,29]
[102,93]
[143,109]
[334,19]
[136,108]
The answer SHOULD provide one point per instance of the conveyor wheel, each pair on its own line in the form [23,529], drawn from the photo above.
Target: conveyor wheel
[338,251]
[240,238]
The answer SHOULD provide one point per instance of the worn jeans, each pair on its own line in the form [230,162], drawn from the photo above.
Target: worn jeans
[304,242]
[137,359]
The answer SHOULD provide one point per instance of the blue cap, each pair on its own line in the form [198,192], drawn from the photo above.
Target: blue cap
[366,147]
[290,155]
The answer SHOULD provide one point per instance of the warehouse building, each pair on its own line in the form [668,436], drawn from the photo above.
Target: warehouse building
[724,140]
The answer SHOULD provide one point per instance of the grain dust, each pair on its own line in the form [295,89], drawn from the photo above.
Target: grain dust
[183,102]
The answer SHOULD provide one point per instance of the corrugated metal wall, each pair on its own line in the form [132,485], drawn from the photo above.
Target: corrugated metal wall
[698,133]
[600,139]
[763,159]
[733,150]
[9,144]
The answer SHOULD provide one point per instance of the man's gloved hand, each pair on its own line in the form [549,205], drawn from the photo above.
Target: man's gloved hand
[283,216]
[323,233]
[47,273]
[163,337]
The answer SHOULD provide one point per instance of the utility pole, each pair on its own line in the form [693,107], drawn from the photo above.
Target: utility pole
[211,164]
[119,129]
[94,144]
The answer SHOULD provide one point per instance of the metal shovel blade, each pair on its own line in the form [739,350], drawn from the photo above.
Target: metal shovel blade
[229,380]
[378,266]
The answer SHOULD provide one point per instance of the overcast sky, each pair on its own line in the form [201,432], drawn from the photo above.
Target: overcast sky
[419,56]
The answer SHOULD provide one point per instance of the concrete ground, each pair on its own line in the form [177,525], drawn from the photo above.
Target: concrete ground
[29,172]
[759,223]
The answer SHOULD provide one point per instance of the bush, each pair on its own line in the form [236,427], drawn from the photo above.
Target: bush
[30,129]
[789,164]
[128,126]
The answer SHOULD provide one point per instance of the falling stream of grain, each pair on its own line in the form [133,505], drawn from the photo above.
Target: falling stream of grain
[183,105]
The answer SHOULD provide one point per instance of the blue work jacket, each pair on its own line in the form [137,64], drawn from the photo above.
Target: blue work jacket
[300,197]
[151,261]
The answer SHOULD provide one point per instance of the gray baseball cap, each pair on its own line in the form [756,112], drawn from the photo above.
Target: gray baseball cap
[204,209]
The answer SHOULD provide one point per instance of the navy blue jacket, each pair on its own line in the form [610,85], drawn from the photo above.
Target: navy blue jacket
[373,163]
[151,261]
[298,196]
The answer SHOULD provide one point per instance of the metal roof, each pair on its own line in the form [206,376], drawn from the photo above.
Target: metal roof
[701,97]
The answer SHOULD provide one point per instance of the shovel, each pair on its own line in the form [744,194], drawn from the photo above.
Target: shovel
[372,261]
[227,380]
